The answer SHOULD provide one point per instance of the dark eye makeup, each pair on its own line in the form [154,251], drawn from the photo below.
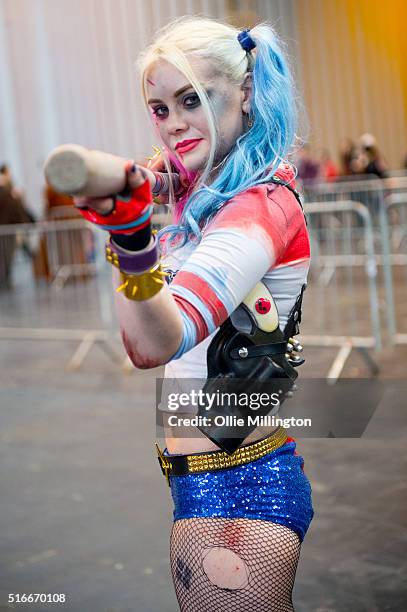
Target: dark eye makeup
[190,101]
[160,112]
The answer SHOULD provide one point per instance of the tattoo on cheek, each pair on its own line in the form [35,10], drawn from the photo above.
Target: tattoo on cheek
[183,573]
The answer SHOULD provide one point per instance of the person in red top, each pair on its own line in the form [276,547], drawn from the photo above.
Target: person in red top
[327,169]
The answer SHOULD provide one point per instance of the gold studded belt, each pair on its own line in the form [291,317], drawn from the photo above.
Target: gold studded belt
[180,465]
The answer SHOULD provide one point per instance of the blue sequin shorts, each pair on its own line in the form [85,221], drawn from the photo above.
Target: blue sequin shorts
[273,488]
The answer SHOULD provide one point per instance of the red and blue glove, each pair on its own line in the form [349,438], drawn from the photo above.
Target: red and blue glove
[132,210]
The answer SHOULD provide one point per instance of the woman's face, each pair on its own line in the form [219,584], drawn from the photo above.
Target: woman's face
[180,118]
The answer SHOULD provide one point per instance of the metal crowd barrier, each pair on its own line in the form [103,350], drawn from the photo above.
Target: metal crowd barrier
[342,287]
[396,226]
[374,193]
[55,285]
[369,190]
[358,229]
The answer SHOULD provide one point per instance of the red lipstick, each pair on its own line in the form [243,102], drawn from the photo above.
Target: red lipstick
[187,145]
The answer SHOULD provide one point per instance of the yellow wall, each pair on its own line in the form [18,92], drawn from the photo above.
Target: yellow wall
[353,67]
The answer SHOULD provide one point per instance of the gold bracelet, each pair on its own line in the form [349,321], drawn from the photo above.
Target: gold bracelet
[137,285]
[142,286]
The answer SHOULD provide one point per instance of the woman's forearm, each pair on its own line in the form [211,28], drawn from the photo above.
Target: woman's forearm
[151,329]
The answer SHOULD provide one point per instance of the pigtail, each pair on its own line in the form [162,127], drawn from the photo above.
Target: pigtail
[273,109]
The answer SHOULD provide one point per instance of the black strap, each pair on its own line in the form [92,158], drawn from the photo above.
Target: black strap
[277,181]
[292,327]
[260,350]
[179,464]
[134,242]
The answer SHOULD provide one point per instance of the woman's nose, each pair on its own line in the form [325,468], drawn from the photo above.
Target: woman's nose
[176,124]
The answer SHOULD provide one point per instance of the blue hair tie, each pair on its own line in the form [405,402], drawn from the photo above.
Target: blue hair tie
[246,41]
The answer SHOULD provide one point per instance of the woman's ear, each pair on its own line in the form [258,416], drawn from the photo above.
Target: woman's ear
[246,88]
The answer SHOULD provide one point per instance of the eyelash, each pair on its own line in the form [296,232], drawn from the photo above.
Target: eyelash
[195,104]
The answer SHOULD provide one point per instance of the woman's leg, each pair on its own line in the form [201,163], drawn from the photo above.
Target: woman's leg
[233,564]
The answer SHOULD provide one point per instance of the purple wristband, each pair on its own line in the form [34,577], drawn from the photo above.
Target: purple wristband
[133,262]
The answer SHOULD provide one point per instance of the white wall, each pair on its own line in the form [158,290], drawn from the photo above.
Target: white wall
[67,73]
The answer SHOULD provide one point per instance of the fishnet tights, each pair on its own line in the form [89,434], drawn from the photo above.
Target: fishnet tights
[261,567]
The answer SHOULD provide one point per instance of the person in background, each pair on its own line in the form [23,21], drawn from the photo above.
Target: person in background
[376,163]
[69,247]
[307,166]
[347,155]
[12,211]
[327,168]
[370,160]
[17,194]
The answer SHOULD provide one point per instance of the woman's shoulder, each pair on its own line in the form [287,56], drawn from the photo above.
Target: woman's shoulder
[271,202]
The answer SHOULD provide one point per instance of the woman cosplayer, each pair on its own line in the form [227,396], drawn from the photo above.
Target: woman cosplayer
[223,301]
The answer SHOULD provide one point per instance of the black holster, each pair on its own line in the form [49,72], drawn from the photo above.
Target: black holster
[245,359]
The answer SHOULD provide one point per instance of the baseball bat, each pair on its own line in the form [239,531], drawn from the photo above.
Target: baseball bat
[75,170]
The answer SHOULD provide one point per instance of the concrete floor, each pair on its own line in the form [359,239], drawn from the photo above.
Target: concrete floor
[86,512]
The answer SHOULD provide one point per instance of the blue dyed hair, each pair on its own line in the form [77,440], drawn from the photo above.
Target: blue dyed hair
[258,152]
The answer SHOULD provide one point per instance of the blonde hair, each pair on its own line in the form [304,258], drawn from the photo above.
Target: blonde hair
[260,149]
[201,38]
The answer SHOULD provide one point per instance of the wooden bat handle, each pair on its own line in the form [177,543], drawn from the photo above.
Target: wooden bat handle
[78,171]
[75,170]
